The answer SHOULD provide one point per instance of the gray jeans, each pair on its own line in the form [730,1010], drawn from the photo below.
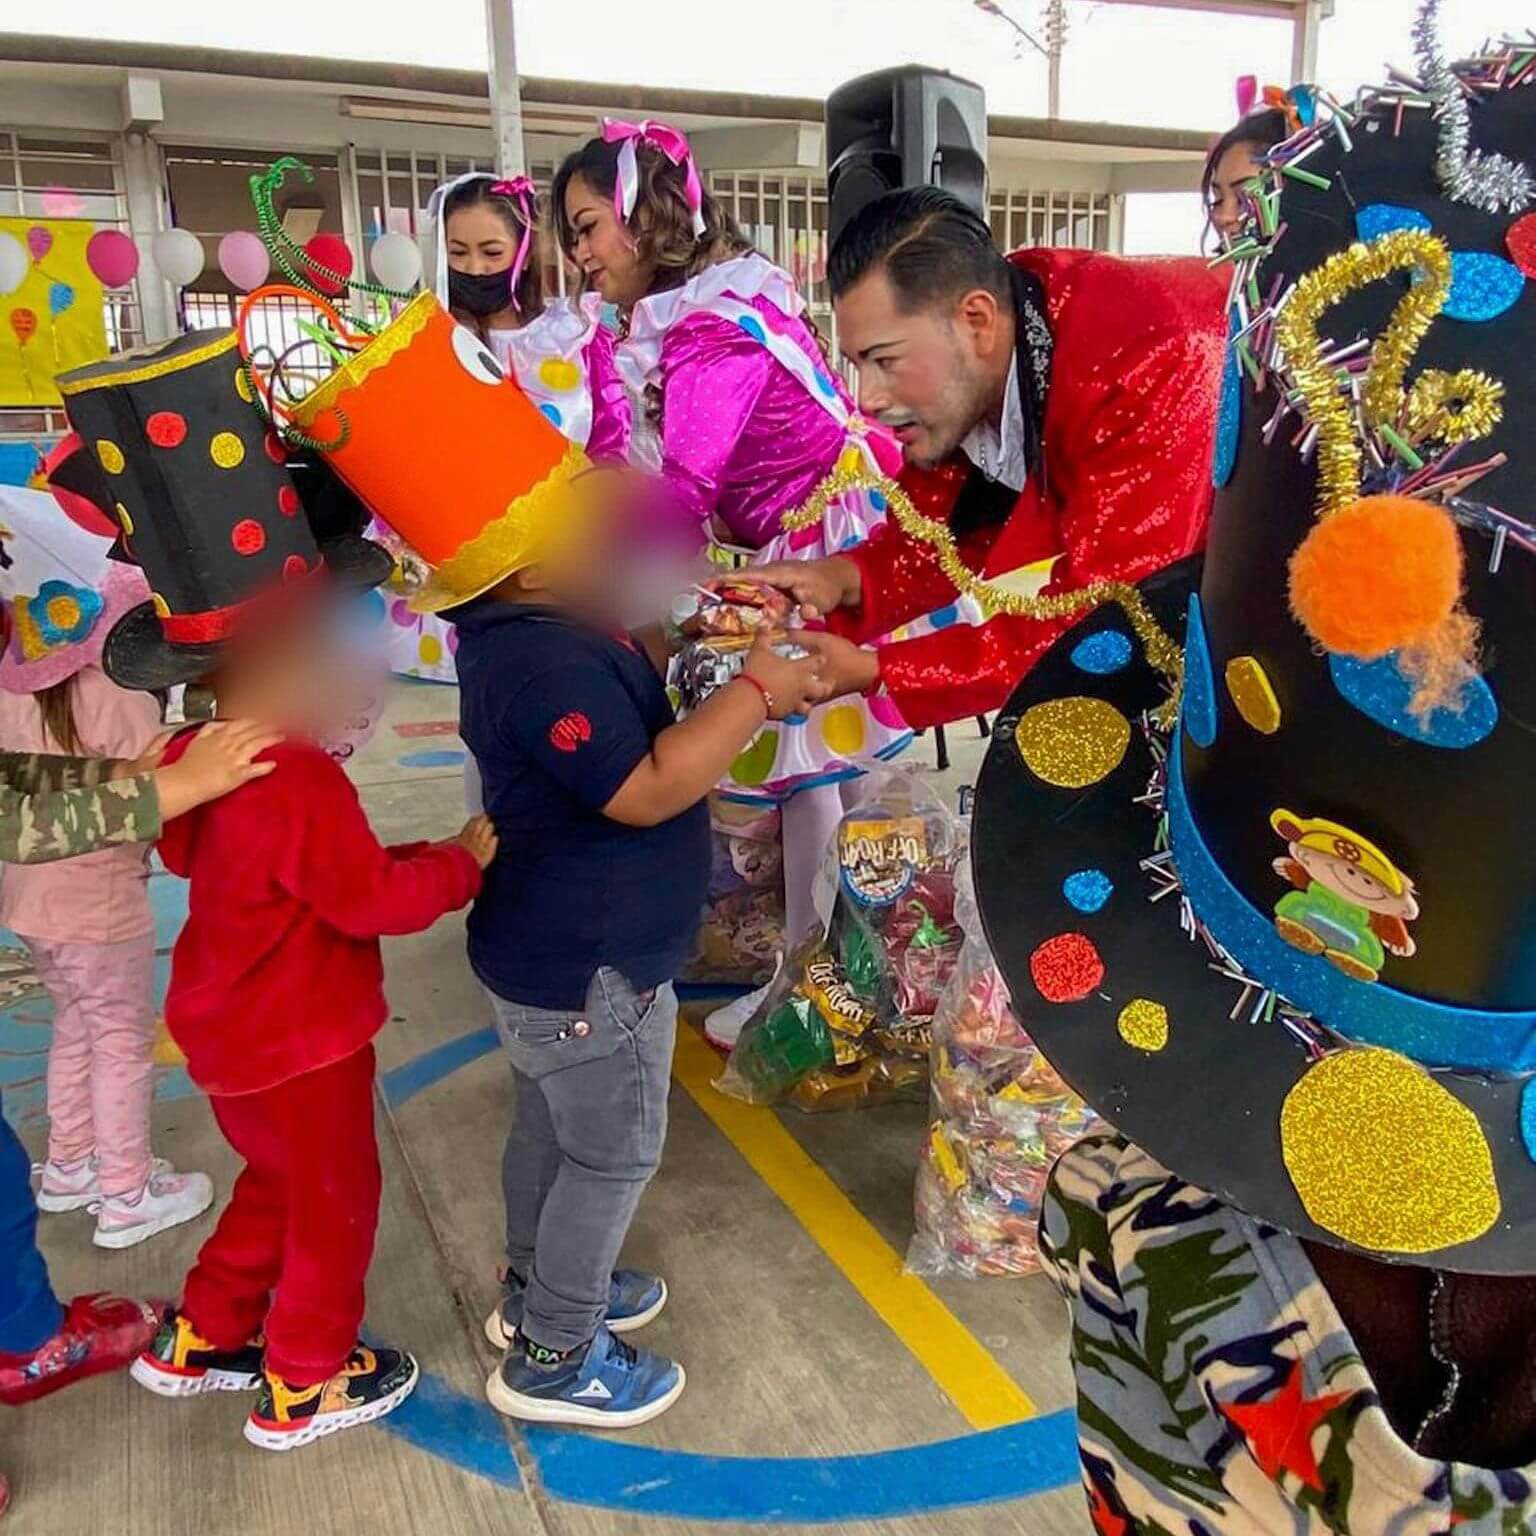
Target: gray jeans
[590,1122]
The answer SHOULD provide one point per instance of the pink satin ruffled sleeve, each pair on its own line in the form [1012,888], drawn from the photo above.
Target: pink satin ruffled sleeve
[608,442]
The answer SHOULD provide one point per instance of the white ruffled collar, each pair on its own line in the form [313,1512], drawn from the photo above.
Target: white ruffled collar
[742,277]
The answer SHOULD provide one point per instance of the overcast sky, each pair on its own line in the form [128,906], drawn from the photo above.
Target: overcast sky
[1124,63]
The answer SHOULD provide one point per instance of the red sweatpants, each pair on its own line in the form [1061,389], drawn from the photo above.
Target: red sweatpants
[300,1222]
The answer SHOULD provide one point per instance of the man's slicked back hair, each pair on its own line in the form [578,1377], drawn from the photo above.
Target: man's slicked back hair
[931,246]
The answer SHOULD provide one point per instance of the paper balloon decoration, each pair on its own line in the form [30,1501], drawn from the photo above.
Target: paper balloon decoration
[39,241]
[243,259]
[60,297]
[14,263]
[23,323]
[332,253]
[396,260]
[179,255]
[112,257]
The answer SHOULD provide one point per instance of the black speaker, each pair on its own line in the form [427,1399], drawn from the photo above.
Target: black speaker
[904,127]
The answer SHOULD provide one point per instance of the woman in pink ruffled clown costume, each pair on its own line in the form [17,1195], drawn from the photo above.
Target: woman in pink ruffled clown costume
[490,277]
[738,411]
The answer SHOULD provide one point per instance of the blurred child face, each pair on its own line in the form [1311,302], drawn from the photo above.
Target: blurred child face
[602,247]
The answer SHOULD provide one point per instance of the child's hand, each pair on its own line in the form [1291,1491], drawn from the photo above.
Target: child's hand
[221,757]
[479,839]
[792,686]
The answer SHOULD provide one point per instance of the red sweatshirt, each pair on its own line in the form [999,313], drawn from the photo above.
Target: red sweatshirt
[278,970]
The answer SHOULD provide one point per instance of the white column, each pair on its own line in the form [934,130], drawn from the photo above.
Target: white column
[1309,16]
[145,191]
[506,94]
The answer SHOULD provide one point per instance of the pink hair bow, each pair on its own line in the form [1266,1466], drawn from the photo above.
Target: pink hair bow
[522,192]
[670,142]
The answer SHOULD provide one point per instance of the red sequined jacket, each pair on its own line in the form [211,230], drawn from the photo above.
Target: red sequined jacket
[1130,426]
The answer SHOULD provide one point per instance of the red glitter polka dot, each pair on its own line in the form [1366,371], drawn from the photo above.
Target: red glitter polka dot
[288,501]
[274,447]
[1066,968]
[166,429]
[1520,240]
[248,537]
[294,568]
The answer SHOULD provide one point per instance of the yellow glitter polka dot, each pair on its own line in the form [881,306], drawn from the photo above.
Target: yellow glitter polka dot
[63,612]
[1386,1158]
[842,728]
[1072,742]
[430,649]
[159,604]
[1249,685]
[556,374]
[110,457]
[242,386]
[1144,1024]
[124,519]
[226,450]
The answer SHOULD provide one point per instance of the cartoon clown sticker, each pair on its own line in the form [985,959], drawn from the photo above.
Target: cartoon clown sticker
[1351,904]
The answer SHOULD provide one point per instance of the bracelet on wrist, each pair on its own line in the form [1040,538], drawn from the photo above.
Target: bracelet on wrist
[746,677]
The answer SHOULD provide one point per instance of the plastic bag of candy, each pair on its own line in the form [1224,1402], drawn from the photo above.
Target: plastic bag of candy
[847,1021]
[742,929]
[1001,1117]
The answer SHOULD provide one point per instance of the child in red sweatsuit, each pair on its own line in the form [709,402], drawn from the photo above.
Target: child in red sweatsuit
[276,994]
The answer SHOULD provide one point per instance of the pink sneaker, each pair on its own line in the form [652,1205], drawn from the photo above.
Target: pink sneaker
[69,1186]
[167,1199]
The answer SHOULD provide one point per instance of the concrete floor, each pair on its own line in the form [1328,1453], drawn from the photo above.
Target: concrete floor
[800,1371]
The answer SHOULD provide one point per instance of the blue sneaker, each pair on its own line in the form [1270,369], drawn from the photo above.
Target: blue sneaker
[634,1299]
[608,1385]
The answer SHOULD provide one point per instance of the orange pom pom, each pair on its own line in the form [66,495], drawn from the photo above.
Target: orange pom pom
[1379,575]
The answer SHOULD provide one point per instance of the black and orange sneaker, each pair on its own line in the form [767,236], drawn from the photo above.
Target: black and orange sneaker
[182,1363]
[372,1383]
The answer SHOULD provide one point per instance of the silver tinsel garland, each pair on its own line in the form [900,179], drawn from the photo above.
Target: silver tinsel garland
[1489,183]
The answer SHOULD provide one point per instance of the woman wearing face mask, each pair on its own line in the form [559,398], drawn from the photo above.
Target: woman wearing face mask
[742,417]
[489,277]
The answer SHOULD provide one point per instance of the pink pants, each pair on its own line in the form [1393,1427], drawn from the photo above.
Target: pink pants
[100,1074]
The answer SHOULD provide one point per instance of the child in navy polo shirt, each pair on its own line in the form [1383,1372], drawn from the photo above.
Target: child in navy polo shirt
[597,794]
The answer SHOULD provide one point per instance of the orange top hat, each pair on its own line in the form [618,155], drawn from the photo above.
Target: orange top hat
[440,443]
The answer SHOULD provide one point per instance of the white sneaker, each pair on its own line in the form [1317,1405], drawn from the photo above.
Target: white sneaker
[723,1027]
[166,1200]
[68,1186]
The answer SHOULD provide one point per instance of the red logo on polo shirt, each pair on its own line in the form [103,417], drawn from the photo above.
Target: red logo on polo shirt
[569,731]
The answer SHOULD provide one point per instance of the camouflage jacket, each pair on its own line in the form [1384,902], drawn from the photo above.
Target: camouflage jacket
[58,807]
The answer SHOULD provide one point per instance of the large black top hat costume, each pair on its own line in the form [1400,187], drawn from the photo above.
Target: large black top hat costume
[1289,946]
[201,490]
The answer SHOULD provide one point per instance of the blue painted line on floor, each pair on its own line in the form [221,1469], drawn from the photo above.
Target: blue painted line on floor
[436,757]
[988,1468]
[458,1429]
[410,1077]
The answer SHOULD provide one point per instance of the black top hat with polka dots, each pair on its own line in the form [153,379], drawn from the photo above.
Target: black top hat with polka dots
[200,488]
[1268,899]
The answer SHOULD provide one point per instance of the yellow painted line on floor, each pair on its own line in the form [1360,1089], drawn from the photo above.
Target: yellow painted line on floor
[986,1395]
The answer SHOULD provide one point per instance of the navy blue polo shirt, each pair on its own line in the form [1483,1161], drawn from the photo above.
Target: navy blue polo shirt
[558,716]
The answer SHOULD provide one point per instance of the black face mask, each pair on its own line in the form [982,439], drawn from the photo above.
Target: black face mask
[479,293]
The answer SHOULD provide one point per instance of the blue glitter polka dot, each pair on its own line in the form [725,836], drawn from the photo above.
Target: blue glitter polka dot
[1107,651]
[942,618]
[1229,421]
[753,327]
[794,719]
[1381,693]
[877,500]
[552,412]
[1088,889]
[1382,218]
[1528,1119]
[1483,286]
[824,383]
[849,542]
[1200,716]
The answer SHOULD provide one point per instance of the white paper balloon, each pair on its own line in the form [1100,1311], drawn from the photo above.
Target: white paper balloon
[396,260]
[179,255]
[14,263]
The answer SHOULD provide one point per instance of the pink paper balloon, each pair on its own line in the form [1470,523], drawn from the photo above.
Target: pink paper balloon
[39,241]
[243,259]
[113,257]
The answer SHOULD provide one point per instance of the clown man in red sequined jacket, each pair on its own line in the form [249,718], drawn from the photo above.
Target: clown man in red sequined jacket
[1057,411]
